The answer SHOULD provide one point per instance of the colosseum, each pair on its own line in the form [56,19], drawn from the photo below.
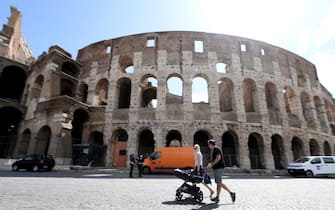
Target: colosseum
[263,105]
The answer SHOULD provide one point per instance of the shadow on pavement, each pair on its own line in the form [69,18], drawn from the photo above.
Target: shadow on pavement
[199,206]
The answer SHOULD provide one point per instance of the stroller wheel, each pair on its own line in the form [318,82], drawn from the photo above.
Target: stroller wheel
[179,196]
[199,196]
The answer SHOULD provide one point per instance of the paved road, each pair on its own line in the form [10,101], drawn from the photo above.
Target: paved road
[108,190]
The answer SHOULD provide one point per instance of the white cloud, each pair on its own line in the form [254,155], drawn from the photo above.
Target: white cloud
[326,31]
[325,65]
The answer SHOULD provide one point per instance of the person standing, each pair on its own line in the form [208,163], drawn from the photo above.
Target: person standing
[140,161]
[198,166]
[132,162]
[217,164]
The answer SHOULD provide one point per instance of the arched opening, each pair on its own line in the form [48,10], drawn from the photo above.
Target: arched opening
[278,152]
[97,149]
[9,121]
[314,147]
[199,90]
[256,151]
[173,139]
[126,64]
[297,148]
[230,148]
[67,87]
[120,139]
[149,92]
[146,143]
[124,93]
[43,140]
[70,69]
[12,82]
[226,90]
[201,137]
[249,95]
[79,118]
[174,94]
[101,93]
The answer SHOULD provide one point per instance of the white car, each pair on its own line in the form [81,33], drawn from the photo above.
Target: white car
[312,166]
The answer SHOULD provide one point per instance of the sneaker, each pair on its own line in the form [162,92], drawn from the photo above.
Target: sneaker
[216,199]
[233,196]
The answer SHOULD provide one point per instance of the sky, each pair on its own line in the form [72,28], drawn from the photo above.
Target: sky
[304,27]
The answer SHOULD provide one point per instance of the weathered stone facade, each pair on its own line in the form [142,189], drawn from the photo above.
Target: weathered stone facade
[265,105]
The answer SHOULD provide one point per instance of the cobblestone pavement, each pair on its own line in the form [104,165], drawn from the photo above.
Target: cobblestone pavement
[21,190]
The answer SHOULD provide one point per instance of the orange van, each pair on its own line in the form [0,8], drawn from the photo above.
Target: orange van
[166,159]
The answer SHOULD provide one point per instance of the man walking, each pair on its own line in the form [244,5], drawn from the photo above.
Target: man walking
[217,163]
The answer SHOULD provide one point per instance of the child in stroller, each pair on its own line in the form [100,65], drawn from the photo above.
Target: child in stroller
[191,189]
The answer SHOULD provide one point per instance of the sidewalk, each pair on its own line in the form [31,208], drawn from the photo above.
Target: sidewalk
[5,164]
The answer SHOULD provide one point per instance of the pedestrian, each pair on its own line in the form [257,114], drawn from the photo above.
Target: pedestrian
[132,162]
[140,161]
[217,163]
[198,166]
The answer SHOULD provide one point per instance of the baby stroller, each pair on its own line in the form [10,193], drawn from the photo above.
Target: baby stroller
[191,189]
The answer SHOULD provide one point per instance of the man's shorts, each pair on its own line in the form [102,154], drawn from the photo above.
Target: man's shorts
[218,173]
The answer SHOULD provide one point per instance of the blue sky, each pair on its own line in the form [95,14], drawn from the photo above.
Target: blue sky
[305,27]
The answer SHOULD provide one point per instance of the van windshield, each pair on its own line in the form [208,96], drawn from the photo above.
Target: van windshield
[302,160]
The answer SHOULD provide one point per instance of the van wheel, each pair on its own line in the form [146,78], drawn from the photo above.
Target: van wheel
[146,170]
[309,173]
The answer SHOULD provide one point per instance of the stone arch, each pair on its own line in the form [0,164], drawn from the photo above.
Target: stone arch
[149,91]
[326,148]
[226,95]
[10,118]
[297,148]
[174,93]
[201,137]
[249,95]
[67,87]
[120,140]
[12,82]
[146,142]
[230,148]
[278,152]
[126,64]
[173,139]
[70,69]
[43,140]
[97,149]
[272,103]
[314,147]
[200,88]
[124,93]
[80,117]
[24,144]
[101,93]
[256,151]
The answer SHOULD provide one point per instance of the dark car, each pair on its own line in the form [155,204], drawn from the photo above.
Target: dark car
[34,163]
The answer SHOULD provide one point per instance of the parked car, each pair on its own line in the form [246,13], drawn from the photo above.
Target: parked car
[34,162]
[312,166]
